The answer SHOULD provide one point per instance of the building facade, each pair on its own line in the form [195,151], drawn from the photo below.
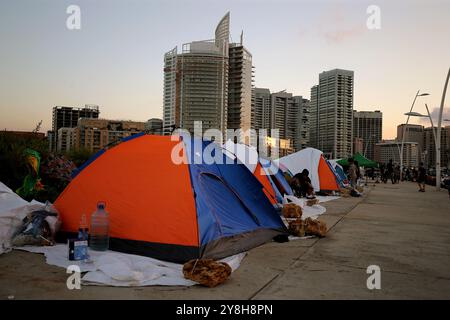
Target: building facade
[65,139]
[67,117]
[154,126]
[413,133]
[368,126]
[331,118]
[390,150]
[95,134]
[358,145]
[284,112]
[429,147]
[261,109]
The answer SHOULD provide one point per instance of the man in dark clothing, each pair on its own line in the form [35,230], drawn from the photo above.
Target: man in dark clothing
[390,171]
[301,184]
[421,176]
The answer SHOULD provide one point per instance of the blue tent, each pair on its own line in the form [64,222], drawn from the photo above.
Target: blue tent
[340,175]
[277,179]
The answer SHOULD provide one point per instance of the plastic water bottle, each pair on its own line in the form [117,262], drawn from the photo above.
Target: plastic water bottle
[100,229]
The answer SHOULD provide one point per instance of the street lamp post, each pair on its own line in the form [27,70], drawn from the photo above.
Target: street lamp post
[438,136]
[367,144]
[417,114]
[435,133]
[404,130]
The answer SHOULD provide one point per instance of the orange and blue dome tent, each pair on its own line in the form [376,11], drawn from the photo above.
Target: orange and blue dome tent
[169,210]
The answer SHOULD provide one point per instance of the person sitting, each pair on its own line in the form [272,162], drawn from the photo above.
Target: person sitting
[302,186]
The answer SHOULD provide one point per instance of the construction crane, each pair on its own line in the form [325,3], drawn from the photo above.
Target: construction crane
[38,127]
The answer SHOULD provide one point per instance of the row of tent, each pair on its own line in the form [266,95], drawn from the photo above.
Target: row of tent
[188,208]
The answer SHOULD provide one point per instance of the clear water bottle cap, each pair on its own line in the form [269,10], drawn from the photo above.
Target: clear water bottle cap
[101,205]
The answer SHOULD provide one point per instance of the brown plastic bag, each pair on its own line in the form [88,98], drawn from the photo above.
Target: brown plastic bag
[315,227]
[291,210]
[207,272]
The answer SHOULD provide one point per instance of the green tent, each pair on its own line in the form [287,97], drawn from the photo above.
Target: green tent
[362,161]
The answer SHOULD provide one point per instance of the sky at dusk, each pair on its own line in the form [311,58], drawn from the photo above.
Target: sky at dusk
[116,59]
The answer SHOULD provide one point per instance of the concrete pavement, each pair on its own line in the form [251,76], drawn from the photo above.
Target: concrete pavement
[404,232]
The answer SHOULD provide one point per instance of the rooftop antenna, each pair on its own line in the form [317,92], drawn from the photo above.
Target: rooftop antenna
[242,37]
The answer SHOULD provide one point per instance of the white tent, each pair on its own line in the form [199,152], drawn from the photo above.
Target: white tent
[246,154]
[307,158]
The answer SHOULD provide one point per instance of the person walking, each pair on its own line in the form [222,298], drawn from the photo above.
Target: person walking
[390,171]
[396,175]
[421,177]
[352,173]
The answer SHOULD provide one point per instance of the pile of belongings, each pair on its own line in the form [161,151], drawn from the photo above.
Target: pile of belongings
[301,228]
[345,192]
[38,228]
[349,192]
[23,222]
[312,202]
[207,272]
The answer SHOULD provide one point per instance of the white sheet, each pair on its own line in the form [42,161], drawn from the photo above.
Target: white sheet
[124,270]
[310,211]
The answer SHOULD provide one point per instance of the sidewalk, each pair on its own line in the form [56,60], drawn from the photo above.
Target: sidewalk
[404,232]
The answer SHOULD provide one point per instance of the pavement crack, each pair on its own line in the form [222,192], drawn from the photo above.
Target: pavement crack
[264,286]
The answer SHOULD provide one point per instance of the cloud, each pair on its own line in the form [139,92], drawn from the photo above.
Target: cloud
[336,26]
[340,36]
[435,116]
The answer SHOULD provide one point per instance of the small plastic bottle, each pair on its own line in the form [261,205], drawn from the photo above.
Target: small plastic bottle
[83,235]
[100,229]
[83,230]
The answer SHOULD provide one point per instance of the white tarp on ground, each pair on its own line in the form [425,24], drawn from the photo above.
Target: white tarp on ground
[124,270]
[12,211]
[307,158]
[310,211]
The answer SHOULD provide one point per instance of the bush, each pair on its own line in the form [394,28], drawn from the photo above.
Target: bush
[79,156]
[13,166]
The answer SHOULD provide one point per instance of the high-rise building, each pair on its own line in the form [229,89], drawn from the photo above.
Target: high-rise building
[67,117]
[284,112]
[390,150]
[413,133]
[261,109]
[300,109]
[240,81]
[368,126]
[209,81]
[313,117]
[429,147]
[331,115]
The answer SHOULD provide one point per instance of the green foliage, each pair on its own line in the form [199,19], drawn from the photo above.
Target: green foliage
[13,162]
[79,156]
[55,170]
